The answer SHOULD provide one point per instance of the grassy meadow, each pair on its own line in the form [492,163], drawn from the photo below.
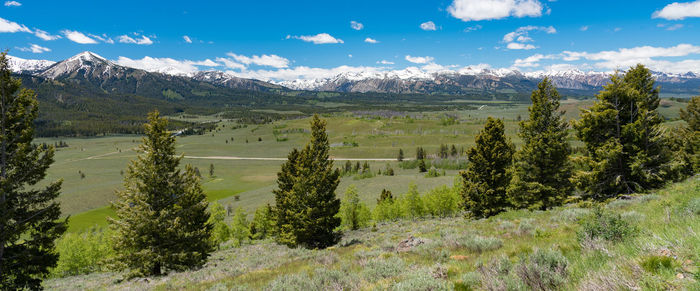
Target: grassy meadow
[92,168]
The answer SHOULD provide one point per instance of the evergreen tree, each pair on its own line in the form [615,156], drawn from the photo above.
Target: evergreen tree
[211,170]
[348,167]
[487,176]
[356,168]
[29,215]
[687,141]
[625,148]
[453,151]
[420,153]
[306,204]
[422,167]
[400,157]
[365,167]
[162,216]
[542,168]
[385,196]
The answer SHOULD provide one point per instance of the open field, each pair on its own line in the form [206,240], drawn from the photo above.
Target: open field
[377,135]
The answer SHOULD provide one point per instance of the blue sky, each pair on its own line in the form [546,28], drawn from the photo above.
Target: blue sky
[305,39]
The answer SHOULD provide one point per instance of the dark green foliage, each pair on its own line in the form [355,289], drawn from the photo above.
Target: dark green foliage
[162,216]
[605,225]
[625,149]
[400,157]
[385,196]
[29,214]
[421,166]
[211,170]
[365,167]
[388,171]
[487,175]
[263,224]
[453,151]
[420,153]
[443,153]
[541,167]
[687,140]
[306,206]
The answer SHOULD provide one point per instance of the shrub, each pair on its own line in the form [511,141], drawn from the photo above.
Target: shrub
[525,226]
[379,268]
[322,279]
[82,253]
[543,270]
[353,213]
[412,203]
[658,264]
[477,244]
[388,210]
[694,206]
[220,231]
[422,279]
[442,201]
[571,214]
[605,225]
[432,173]
[240,232]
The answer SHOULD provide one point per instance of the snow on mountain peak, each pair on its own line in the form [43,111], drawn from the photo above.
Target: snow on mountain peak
[20,65]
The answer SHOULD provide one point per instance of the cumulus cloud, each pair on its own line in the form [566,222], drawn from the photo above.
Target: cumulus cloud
[678,11]
[12,27]
[144,40]
[45,35]
[274,61]
[385,62]
[165,65]
[520,46]
[231,64]
[78,37]
[103,38]
[356,25]
[428,26]
[37,49]
[371,40]
[187,39]
[12,3]
[531,61]
[321,38]
[419,60]
[474,10]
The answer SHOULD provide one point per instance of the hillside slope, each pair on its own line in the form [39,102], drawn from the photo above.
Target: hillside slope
[515,249]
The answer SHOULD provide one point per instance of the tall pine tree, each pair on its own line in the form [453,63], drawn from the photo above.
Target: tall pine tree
[688,141]
[542,168]
[162,216]
[625,148]
[487,174]
[29,215]
[306,205]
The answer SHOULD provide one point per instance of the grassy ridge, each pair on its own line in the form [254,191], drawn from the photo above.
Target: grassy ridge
[456,253]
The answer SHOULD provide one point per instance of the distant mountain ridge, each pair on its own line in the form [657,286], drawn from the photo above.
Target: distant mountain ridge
[412,80]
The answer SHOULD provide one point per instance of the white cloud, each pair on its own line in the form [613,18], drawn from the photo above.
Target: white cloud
[45,35]
[474,10]
[583,28]
[78,37]
[472,28]
[520,46]
[371,40]
[144,40]
[678,11]
[37,49]
[165,65]
[419,60]
[385,62]
[356,25]
[274,61]
[428,26]
[12,27]
[321,38]
[187,39]
[12,3]
[231,64]
[103,38]
[531,61]
[517,38]
[673,27]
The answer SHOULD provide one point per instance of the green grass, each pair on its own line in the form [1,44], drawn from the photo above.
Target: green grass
[458,252]
[105,159]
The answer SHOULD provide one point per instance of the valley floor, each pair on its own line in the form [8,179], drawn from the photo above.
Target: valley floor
[501,252]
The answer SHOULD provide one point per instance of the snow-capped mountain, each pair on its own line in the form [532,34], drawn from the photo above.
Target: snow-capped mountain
[469,80]
[24,66]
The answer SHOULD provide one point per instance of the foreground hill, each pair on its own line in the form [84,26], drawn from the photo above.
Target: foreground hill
[647,241]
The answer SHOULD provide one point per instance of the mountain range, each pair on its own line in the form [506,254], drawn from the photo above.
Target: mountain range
[467,81]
